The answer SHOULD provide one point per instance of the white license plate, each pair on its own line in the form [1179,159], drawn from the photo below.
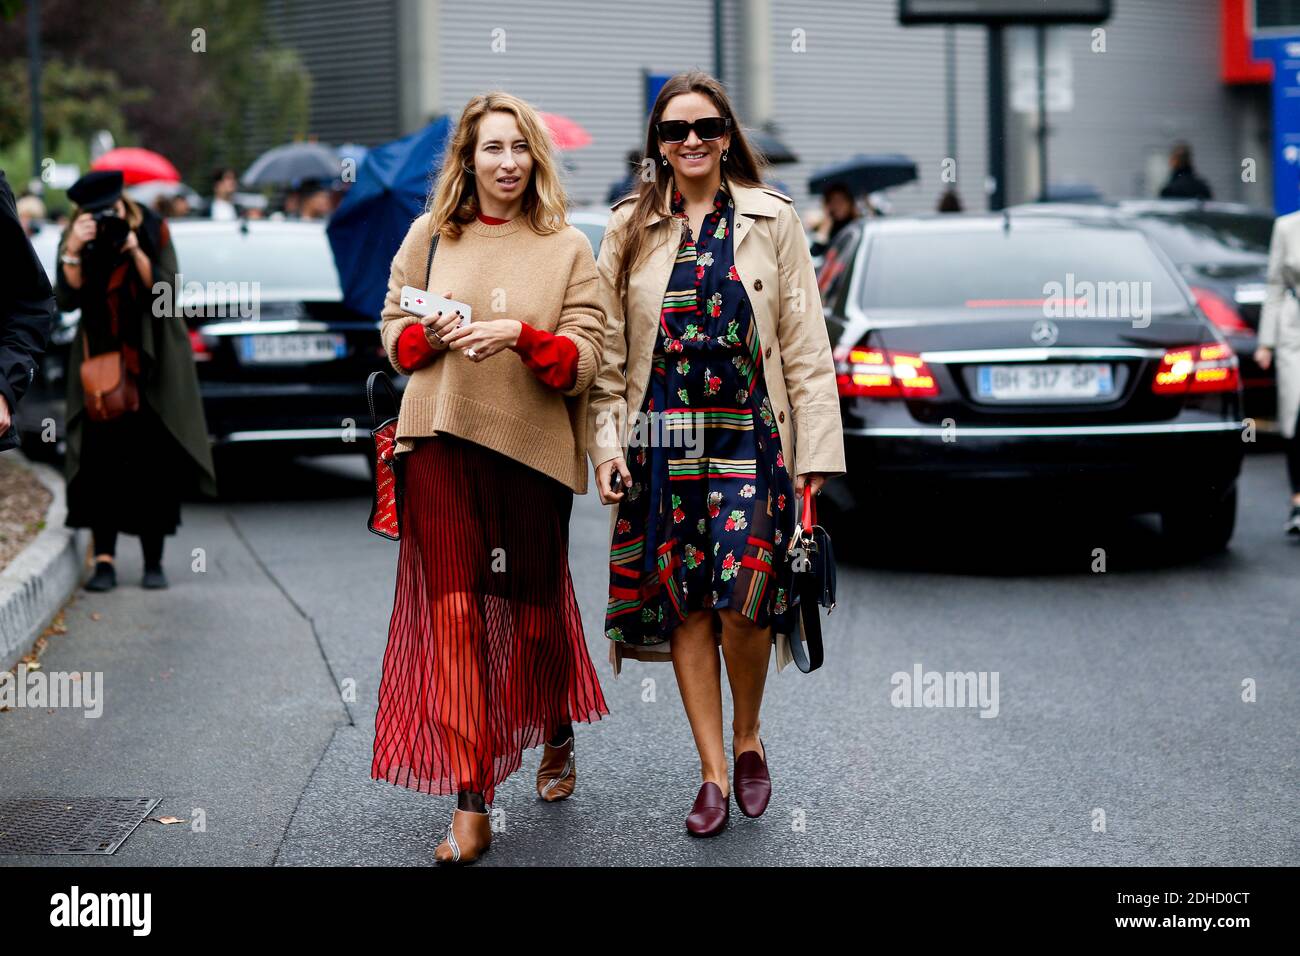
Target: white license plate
[1030,381]
[291,348]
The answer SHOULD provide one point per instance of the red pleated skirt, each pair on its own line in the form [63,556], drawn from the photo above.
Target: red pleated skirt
[486,655]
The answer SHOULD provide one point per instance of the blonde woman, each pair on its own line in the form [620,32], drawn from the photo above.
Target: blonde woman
[486,655]
[715,334]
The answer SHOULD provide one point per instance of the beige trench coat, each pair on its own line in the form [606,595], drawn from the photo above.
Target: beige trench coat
[1279,322]
[772,259]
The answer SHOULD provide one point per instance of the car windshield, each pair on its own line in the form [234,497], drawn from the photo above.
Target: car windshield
[1085,270]
[1210,238]
[293,265]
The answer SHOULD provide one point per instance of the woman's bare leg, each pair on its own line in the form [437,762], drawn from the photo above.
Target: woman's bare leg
[747,649]
[699,676]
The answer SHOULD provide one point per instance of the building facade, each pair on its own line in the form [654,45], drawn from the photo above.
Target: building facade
[832,78]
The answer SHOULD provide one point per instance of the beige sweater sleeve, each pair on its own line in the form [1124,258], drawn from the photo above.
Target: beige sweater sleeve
[393,319]
[582,317]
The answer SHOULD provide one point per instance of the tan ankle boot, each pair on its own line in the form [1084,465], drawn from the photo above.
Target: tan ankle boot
[557,772]
[468,837]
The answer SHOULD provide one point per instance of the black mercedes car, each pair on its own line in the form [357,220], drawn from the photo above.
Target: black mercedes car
[1221,249]
[1033,359]
[282,363]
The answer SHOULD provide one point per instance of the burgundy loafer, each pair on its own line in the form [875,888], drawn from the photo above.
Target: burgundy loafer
[752,783]
[709,815]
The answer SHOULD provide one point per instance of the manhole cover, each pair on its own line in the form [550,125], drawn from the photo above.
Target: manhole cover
[70,826]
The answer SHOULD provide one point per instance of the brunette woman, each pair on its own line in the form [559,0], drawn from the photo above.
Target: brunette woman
[715,342]
[486,655]
[127,474]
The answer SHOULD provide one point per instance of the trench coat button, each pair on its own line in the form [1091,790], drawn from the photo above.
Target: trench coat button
[768,353]
[780,416]
[758,285]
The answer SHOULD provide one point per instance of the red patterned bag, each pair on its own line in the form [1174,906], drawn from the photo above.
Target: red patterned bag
[386,508]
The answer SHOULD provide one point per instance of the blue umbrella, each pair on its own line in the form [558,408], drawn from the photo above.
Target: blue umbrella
[865,174]
[366,230]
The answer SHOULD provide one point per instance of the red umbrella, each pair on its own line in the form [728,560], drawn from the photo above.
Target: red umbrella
[137,165]
[565,133]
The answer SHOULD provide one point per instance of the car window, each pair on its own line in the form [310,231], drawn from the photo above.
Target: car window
[294,264]
[835,270]
[1209,237]
[980,270]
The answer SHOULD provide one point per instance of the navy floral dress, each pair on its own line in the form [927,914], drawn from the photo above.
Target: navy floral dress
[710,510]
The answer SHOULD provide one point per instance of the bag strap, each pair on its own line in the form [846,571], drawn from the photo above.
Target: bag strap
[428,265]
[811,624]
[378,376]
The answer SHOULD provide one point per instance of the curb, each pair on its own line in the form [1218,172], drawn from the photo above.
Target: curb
[44,575]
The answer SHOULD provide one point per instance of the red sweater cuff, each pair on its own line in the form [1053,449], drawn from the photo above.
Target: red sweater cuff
[553,358]
[413,348]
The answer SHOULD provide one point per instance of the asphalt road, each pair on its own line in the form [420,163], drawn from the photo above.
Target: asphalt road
[244,696]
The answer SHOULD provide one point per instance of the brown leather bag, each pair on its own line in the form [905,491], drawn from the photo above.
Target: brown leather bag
[110,388]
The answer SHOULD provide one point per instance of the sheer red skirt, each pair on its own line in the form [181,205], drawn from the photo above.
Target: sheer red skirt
[486,655]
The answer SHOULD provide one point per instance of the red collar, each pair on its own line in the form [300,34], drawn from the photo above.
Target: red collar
[491,220]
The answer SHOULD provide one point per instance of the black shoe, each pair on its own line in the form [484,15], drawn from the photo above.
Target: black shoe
[154,578]
[1293,523]
[104,578]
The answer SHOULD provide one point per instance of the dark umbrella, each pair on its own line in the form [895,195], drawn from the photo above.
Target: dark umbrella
[365,231]
[293,163]
[864,174]
[773,150]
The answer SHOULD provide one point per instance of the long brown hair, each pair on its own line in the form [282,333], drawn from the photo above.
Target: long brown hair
[454,201]
[742,164]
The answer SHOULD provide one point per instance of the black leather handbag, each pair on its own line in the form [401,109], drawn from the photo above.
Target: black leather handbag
[812,566]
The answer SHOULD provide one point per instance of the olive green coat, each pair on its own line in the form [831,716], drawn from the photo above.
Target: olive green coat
[169,383]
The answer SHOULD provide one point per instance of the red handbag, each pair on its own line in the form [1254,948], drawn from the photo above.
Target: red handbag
[386,507]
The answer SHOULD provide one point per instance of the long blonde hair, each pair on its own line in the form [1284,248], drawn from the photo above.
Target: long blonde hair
[454,200]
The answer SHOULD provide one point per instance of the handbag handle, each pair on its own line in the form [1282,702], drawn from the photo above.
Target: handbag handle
[809,519]
[393,398]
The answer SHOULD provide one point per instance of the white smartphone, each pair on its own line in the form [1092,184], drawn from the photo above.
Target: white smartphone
[418,302]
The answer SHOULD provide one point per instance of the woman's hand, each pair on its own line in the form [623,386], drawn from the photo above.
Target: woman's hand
[603,474]
[438,325]
[131,246]
[1264,357]
[813,479]
[482,339]
[83,230]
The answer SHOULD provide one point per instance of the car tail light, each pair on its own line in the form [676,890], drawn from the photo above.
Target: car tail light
[1195,369]
[1220,311]
[199,346]
[879,373]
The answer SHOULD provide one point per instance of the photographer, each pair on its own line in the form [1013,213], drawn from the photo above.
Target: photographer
[126,467]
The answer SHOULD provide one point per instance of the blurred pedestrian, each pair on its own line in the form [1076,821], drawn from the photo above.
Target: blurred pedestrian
[315,201]
[1183,182]
[486,655]
[630,181]
[225,183]
[26,314]
[735,355]
[1279,345]
[950,201]
[126,473]
[840,209]
[31,213]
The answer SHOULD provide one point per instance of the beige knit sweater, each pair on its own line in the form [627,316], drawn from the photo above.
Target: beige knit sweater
[505,271]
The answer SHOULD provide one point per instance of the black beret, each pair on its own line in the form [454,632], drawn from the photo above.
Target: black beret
[97,190]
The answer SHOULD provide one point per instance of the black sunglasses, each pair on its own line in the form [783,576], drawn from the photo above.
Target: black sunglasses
[706,128]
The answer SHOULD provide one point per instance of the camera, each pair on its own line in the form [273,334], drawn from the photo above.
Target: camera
[110,232]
